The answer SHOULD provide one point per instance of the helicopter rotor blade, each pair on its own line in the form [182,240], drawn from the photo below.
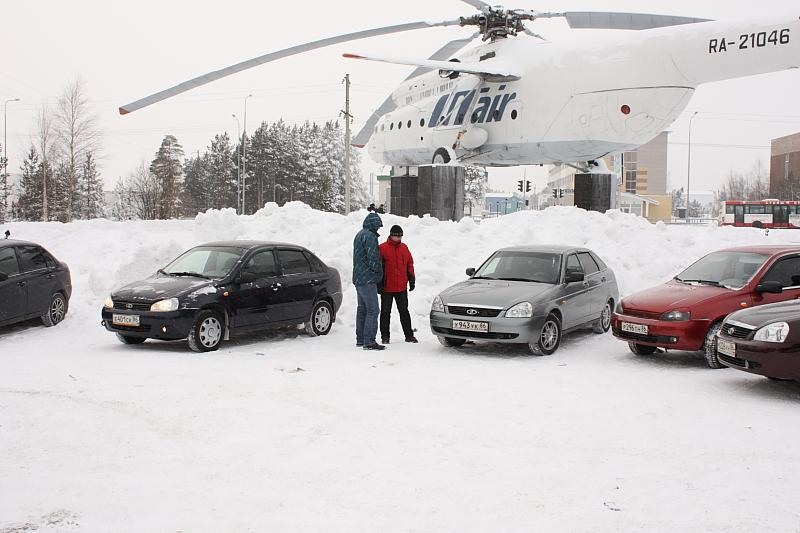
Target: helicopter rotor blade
[273,56]
[443,54]
[477,4]
[620,21]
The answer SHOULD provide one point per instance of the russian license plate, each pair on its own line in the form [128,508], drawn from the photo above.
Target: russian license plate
[467,325]
[726,347]
[125,320]
[640,329]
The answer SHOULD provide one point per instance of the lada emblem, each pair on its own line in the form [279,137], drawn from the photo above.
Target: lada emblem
[731,331]
[472,312]
[129,306]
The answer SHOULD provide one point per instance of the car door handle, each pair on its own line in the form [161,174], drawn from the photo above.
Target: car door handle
[23,283]
[276,286]
[314,282]
[603,279]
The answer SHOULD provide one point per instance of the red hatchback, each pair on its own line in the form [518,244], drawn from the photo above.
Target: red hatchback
[686,312]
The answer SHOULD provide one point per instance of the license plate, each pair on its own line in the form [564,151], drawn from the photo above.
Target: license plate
[726,347]
[125,320]
[466,325]
[640,329]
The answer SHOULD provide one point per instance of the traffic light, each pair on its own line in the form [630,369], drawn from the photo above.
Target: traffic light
[527,186]
[561,193]
[555,193]
[519,185]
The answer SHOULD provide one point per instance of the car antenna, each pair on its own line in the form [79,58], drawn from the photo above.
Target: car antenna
[8,234]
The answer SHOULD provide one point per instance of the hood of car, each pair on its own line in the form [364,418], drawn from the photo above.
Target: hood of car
[672,295]
[766,314]
[494,293]
[160,287]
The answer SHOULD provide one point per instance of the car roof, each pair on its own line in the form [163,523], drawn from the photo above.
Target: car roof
[15,242]
[248,245]
[545,248]
[771,249]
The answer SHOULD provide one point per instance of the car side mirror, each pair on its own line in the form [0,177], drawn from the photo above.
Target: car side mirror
[470,272]
[3,276]
[246,277]
[573,276]
[771,287]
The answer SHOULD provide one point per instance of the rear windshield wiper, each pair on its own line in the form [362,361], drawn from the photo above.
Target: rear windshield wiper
[703,281]
[191,274]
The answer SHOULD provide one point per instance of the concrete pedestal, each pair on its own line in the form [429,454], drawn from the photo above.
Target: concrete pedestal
[594,192]
[437,191]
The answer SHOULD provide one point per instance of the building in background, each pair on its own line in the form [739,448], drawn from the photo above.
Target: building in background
[784,168]
[502,203]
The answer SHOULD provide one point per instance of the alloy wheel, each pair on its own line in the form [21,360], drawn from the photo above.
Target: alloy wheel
[549,336]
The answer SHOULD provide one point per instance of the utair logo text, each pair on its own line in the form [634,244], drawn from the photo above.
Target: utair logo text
[487,109]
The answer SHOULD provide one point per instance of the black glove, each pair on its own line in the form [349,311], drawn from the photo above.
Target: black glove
[411,283]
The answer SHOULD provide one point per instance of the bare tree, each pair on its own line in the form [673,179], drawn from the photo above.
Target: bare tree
[77,133]
[44,140]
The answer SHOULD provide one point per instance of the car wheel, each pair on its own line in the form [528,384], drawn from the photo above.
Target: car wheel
[206,333]
[451,342]
[127,339]
[603,324]
[549,338]
[642,349]
[441,157]
[321,319]
[710,347]
[56,311]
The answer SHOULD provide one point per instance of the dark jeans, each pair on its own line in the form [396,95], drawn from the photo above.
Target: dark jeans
[367,314]
[402,307]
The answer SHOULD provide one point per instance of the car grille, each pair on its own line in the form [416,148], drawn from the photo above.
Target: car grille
[737,332]
[739,363]
[641,314]
[131,306]
[475,334]
[479,312]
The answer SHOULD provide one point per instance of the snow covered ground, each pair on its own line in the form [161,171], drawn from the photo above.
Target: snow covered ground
[281,432]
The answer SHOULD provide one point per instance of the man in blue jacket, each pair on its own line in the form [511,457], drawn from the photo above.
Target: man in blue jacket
[367,274]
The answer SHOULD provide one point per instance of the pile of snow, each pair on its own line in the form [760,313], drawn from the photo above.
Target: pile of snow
[283,432]
[103,254]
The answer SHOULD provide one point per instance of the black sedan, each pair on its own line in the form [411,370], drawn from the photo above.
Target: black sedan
[33,284]
[220,289]
[764,340]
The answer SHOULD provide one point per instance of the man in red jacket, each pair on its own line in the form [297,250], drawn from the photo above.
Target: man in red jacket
[398,271]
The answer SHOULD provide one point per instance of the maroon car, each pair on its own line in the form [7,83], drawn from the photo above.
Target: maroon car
[764,341]
[687,312]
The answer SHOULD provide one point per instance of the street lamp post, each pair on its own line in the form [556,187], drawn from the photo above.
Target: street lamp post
[238,171]
[5,134]
[689,166]
[244,156]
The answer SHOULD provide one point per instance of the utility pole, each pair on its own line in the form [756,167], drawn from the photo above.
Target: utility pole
[689,166]
[238,170]
[244,157]
[347,118]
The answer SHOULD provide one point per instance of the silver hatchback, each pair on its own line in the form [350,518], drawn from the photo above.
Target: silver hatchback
[529,295]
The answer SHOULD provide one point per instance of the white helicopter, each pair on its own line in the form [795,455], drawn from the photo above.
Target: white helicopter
[518,99]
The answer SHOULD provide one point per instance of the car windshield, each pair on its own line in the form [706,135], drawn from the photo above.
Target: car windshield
[204,262]
[725,269]
[522,266]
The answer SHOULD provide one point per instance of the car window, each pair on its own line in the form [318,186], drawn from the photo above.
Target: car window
[293,262]
[539,267]
[262,264]
[729,269]
[8,261]
[786,272]
[31,258]
[211,262]
[599,261]
[573,263]
[316,263]
[588,264]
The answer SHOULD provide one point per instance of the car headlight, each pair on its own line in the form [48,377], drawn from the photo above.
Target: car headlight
[776,332]
[521,310]
[109,303]
[676,316]
[164,306]
[437,305]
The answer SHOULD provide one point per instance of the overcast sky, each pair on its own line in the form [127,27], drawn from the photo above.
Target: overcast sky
[124,51]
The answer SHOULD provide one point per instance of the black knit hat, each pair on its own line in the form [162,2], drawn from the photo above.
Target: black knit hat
[396,231]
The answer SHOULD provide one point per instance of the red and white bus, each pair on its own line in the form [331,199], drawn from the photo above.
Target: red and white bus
[760,214]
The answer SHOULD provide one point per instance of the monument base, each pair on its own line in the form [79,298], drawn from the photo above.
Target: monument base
[594,192]
[435,190]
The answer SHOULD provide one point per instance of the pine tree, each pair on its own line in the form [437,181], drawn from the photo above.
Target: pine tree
[475,182]
[29,197]
[5,189]
[167,168]
[222,172]
[91,196]
[196,186]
